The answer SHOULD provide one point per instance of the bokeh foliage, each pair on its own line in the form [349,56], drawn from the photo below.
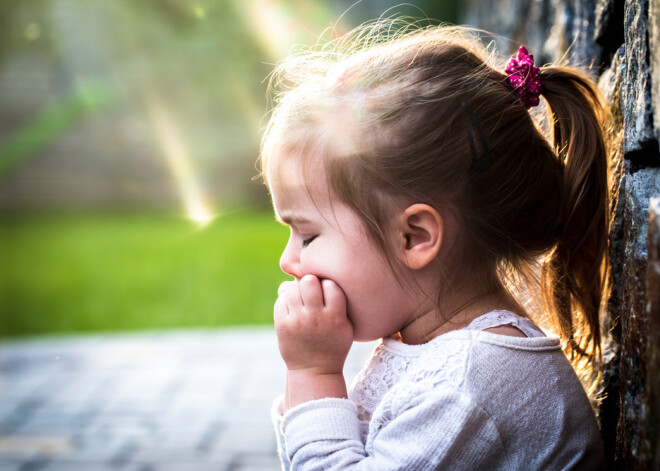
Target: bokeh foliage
[83,272]
[162,96]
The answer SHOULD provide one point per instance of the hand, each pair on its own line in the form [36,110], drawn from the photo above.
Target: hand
[313,332]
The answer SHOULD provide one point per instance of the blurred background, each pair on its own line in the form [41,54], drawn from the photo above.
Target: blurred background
[129,133]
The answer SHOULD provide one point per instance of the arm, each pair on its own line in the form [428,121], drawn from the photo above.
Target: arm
[429,428]
[422,426]
[314,336]
[303,386]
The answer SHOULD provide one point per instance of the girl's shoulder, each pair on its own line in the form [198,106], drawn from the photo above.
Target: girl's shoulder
[457,344]
[459,359]
[505,318]
[473,354]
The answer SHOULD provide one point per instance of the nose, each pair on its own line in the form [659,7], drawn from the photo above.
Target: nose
[290,261]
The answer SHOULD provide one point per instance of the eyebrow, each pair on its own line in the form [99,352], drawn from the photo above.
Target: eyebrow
[291,220]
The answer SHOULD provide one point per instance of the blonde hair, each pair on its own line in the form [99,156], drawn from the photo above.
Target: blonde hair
[410,116]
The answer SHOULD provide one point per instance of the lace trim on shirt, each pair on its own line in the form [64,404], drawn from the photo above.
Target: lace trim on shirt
[499,318]
[438,362]
[373,382]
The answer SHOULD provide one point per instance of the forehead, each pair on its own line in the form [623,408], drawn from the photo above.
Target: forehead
[295,188]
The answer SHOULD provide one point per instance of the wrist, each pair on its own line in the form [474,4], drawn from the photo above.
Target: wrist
[303,385]
[313,374]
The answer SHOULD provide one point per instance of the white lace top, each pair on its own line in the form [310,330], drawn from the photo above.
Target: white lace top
[468,399]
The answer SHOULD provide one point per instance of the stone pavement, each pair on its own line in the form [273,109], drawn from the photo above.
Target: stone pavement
[165,401]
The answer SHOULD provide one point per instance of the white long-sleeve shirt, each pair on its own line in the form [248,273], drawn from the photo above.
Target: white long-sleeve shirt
[468,399]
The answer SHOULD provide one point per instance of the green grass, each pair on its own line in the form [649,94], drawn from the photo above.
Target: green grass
[81,272]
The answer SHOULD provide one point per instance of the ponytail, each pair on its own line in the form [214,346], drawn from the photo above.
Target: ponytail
[573,273]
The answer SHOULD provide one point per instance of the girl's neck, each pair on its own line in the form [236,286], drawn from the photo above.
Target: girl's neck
[463,310]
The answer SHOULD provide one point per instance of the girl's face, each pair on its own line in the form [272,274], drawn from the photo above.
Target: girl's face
[328,240]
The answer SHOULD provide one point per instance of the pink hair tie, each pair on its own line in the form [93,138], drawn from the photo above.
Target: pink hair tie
[524,77]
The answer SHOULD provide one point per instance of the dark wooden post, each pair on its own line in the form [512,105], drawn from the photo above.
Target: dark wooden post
[650,431]
[620,41]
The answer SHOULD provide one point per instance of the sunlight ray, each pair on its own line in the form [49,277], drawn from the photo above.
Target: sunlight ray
[179,163]
[276,25]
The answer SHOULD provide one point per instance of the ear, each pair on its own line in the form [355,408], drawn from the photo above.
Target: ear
[422,230]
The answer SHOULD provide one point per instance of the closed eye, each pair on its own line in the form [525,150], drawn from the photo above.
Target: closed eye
[308,241]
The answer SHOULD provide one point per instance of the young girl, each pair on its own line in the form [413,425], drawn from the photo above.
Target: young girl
[429,208]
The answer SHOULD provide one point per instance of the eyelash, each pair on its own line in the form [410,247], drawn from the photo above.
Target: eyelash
[308,241]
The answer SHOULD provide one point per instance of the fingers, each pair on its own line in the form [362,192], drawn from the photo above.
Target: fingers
[333,295]
[280,305]
[280,310]
[311,293]
[283,287]
[292,296]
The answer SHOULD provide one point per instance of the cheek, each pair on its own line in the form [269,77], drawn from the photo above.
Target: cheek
[313,263]
[322,255]
[377,305]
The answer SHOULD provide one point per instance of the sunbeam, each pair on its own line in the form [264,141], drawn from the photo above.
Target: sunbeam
[179,163]
[277,25]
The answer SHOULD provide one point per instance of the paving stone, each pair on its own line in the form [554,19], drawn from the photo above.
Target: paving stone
[88,466]
[10,465]
[164,401]
[246,437]
[191,466]
[14,385]
[50,423]
[256,463]
[34,465]
[167,453]
[189,421]
[94,450]
[26,448]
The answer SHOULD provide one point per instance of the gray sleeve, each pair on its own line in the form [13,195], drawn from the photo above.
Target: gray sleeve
[435,429]
[276,419]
